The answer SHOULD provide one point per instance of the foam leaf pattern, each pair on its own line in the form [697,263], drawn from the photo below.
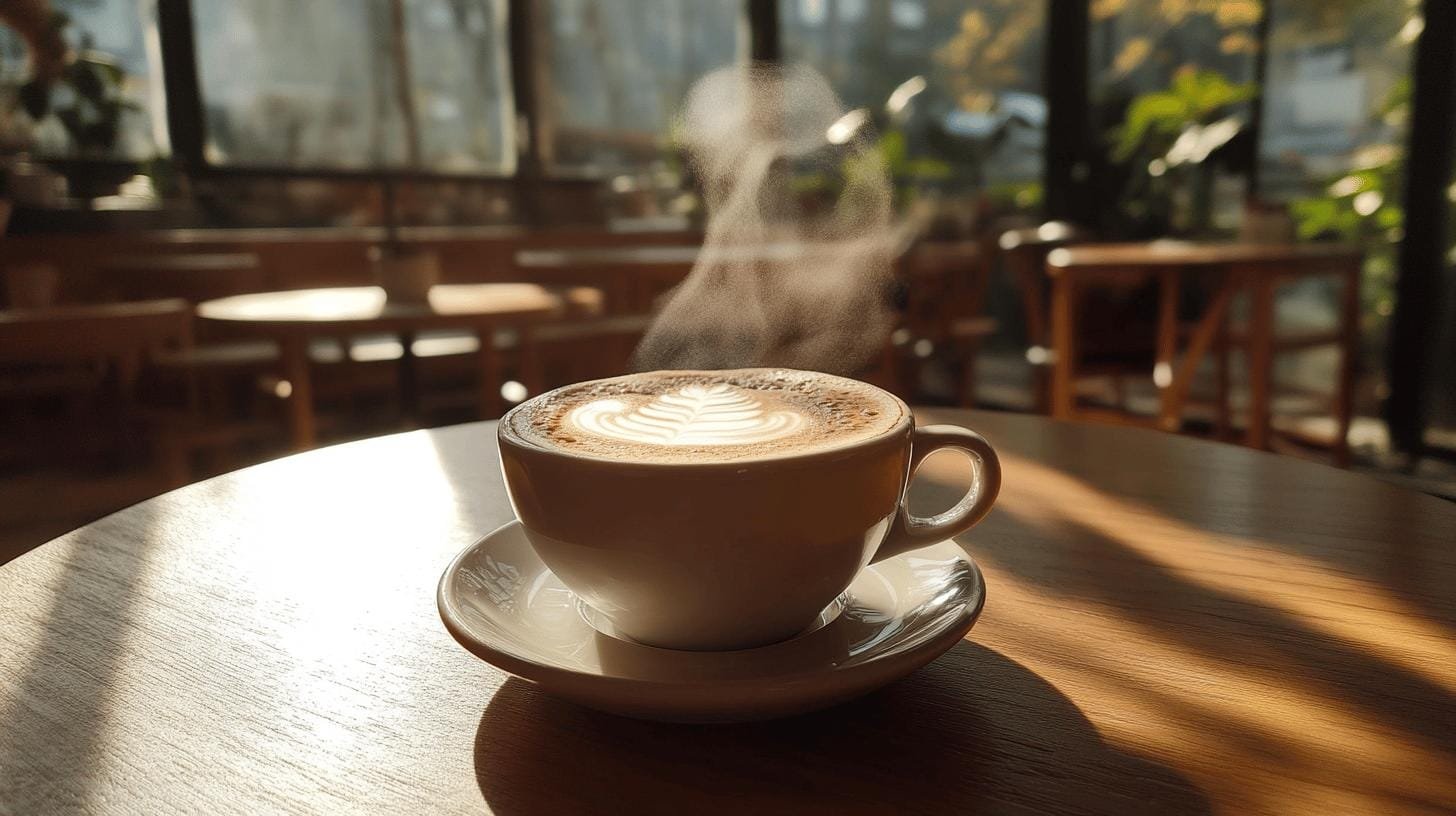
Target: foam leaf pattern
[716,414]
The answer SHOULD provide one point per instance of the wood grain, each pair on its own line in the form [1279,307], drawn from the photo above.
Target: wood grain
[1173,626]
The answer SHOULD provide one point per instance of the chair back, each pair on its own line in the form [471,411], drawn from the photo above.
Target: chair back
[93,332]
[1024,253]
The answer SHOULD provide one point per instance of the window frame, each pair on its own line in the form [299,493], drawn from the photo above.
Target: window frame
[1070,161]
[187,125]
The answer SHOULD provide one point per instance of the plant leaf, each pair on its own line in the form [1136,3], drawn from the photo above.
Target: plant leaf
[35,97]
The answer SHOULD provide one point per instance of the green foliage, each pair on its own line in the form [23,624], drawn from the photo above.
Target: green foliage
[1362,208]
[894,152]
[1016,196]
[91,113]
[1155,119]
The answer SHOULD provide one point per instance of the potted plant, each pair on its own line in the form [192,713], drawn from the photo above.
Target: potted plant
[1171,141]
[81,89]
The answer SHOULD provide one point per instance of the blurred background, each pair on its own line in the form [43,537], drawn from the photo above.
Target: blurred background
[234,229]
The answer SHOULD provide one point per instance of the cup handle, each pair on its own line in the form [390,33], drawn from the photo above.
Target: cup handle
[909,532]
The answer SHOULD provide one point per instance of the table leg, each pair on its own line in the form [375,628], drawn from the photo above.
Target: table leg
[1169,413]
[1223,421]
[1033,304]
[409,378]
[1064,350]
[293,353]
[488,363]
[968,350]
[1261,360]
[1205,334]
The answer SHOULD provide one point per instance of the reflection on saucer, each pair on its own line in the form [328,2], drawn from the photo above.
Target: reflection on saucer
[504,605]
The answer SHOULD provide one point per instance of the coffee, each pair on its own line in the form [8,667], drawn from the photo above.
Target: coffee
[724,509]
[705,416]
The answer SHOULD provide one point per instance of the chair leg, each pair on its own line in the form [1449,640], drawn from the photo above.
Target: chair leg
[1349,365]
[533,373]
[1041,389]
[489,368]
[408,381]
[1222,422]
[968,374]
[884,373]
[1261,362]
[172,462]
[1064,334]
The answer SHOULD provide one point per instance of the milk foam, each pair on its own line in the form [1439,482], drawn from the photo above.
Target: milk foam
[715,414]
[705,415]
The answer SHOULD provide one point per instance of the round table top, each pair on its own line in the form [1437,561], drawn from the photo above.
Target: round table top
[1172,626]
[335,308]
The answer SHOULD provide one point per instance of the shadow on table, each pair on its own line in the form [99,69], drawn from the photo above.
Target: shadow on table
[1351,522]
[54,730]
[1077,561]
[973,732]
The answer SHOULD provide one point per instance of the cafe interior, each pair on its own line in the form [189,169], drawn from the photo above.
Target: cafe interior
[1156,301]
[235,230]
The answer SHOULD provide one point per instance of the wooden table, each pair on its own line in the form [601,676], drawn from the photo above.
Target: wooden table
[1173,626]
[1255,269]
[293,318]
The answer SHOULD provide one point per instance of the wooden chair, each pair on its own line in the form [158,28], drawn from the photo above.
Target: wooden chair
[1023,254]
[944,285]
[631,277]
[192,276]
[571,351]
[114,340]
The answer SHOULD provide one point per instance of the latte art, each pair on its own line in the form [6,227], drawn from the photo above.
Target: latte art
[716,414]
[705,416]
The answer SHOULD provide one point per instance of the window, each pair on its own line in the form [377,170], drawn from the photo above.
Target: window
[1337,90]
[420,85]
[1332,146]
[1171,84]
[954,87]
[615,73]
[106,103]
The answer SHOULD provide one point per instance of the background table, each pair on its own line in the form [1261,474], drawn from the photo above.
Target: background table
[295,317]
[1255,269]
[1173,626]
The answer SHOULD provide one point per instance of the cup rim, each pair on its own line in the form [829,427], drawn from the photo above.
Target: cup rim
[902,426]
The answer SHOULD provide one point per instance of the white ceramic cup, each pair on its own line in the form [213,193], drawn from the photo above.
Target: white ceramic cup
[732,554]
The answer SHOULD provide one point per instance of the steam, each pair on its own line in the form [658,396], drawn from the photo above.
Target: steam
[795,265]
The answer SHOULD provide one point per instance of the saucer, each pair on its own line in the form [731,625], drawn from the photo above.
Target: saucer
[503,604]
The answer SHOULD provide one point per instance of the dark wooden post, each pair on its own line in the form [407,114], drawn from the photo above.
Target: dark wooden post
[1068,169]
[1413,328]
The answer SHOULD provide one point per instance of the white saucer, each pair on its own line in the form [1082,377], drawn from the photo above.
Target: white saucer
[500,602]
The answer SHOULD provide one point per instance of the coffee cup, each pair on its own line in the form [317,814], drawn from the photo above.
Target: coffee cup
[720,510]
